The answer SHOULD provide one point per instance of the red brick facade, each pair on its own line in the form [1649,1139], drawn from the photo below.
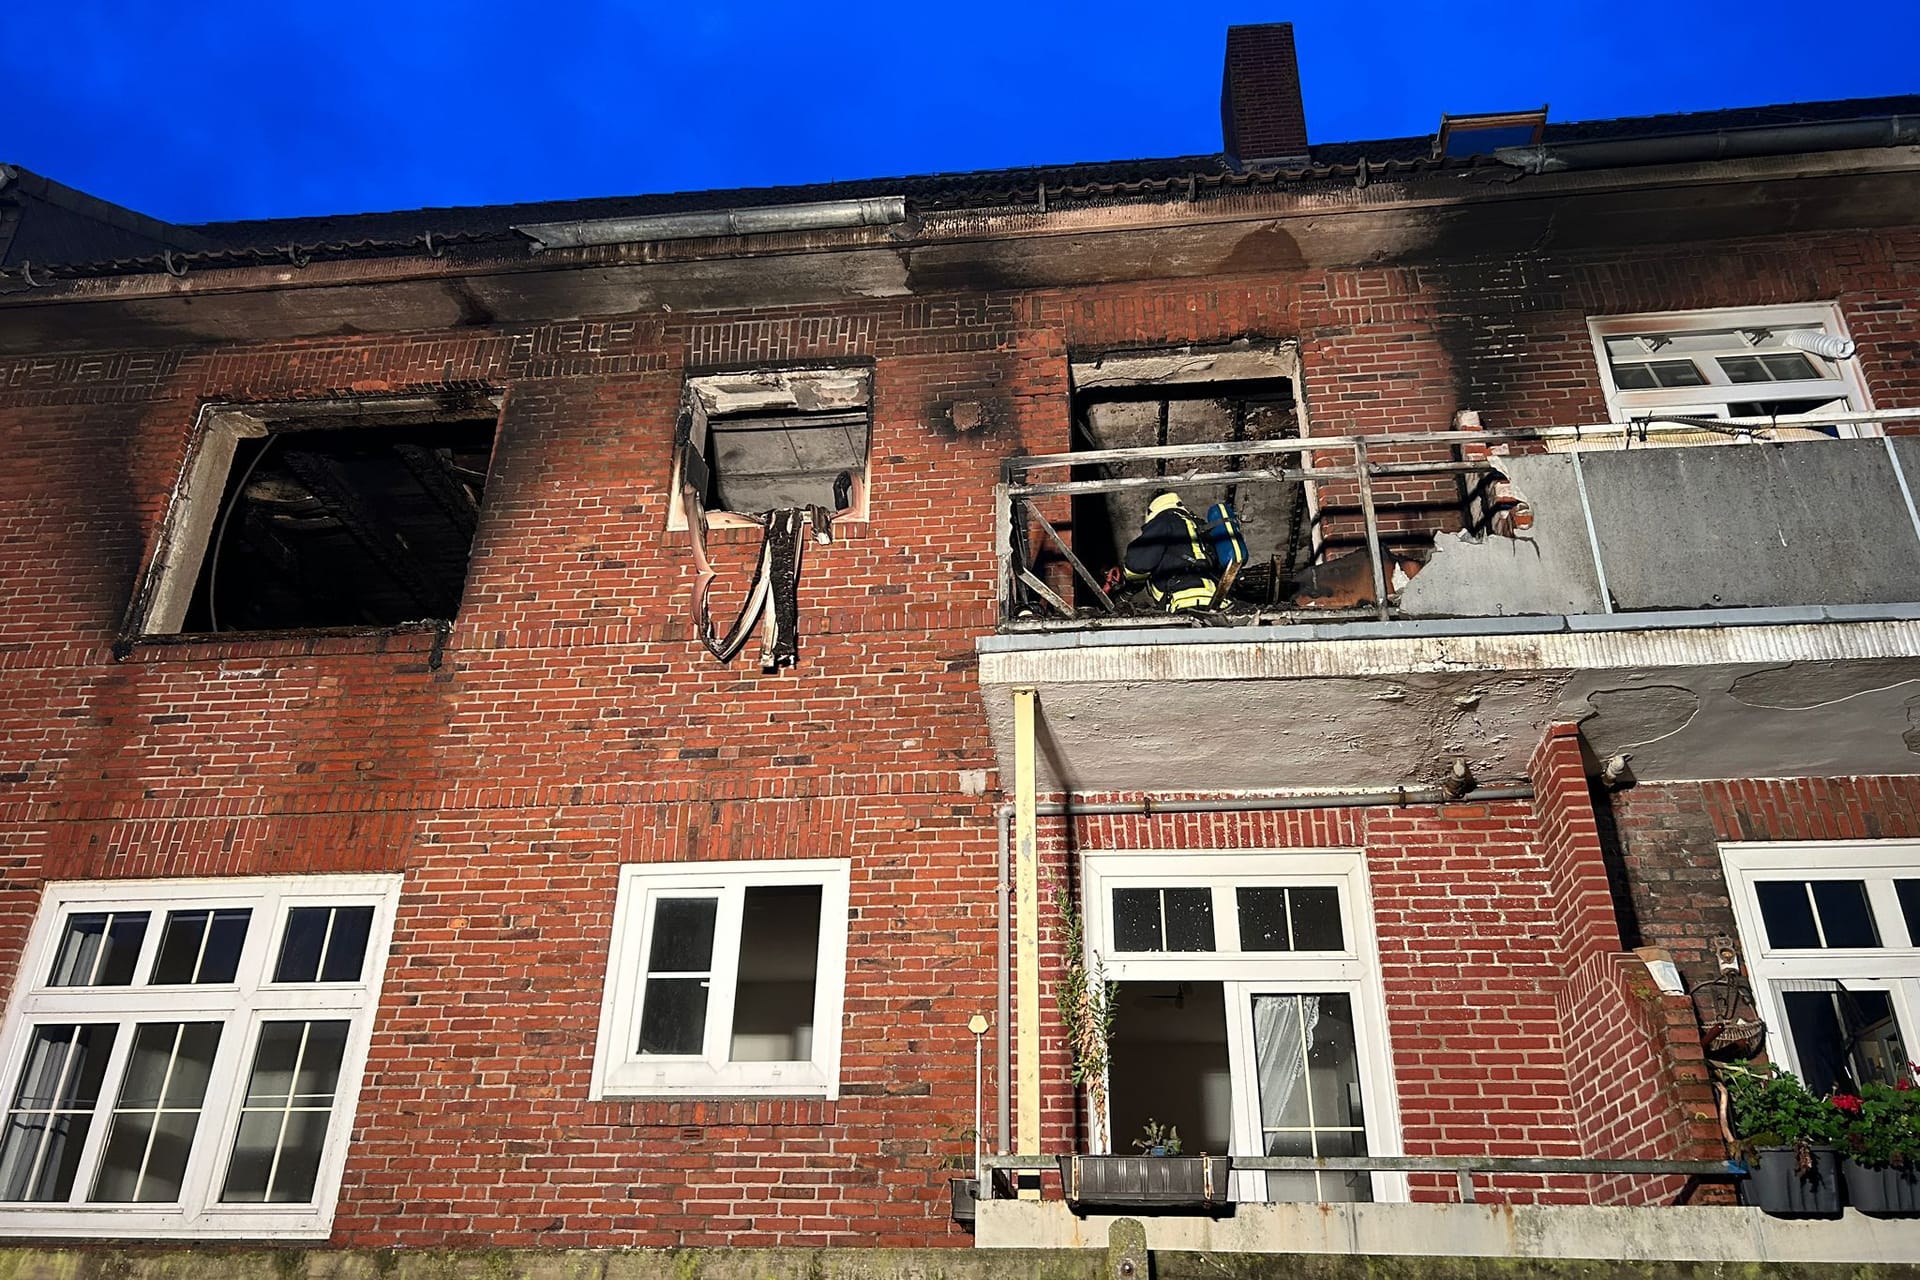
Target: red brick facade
[574,725]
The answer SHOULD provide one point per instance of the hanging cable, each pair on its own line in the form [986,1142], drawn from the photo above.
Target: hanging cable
[220,535]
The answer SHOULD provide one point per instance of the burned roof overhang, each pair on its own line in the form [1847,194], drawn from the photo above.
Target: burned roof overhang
[1162,230]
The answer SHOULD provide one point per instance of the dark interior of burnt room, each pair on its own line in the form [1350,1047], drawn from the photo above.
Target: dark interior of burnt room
[1274,515]
[362,525]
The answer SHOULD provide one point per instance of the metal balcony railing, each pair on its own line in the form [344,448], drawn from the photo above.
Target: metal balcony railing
[1047,582]
[1462,1167]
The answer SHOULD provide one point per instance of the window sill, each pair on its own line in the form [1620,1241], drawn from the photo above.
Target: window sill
[427,638]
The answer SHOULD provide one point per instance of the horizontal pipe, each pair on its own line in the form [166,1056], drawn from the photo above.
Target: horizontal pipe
[822,215]
[1718,144]
[1439,1164]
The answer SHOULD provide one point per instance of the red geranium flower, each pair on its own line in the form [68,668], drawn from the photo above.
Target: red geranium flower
[1847,1102]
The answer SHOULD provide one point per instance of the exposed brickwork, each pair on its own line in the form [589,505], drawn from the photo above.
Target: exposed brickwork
[1261,114]
[1669,837]
[1635,1070]
[575,725]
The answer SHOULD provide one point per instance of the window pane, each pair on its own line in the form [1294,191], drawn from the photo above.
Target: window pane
[289,1104]
[1845,918]
[1308,1068]
[1263,919]
[1136,920]
[201,947]
[1787,913]
[52,1110]
[157,1113]
[1879,1053]
[1633,377]
[347,948]
[1677,373]
[1316,920]
[683,935]
[301,943]
[99,949]
[1909,894]
[324,944]
[774,986]
[673,1018]
[1189,919]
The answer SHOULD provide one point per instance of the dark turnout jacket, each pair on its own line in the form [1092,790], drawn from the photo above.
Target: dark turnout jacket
[1170,556]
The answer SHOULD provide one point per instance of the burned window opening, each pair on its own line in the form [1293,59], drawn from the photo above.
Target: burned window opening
[767,440]
[331,516]
[761,463]
[1274,518]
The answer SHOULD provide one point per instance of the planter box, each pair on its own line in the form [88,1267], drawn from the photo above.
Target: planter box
[1889,1191]
[966,1193]
[1778,1187]
[1146,1182]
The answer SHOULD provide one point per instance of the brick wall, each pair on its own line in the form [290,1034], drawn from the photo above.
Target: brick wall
[574,724]
[1517,1027]
[1635,1067]
[1668,844]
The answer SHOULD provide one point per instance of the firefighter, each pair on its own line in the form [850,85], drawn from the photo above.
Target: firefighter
[1170,557]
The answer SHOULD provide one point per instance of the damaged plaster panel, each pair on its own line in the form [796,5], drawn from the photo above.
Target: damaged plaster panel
[1847,718]
[1750,525]
[1546,570]
[1243,362]
[773,390]
[1302,734]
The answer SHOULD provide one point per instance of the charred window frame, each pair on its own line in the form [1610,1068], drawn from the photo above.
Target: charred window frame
[752,441]
[1248,391]
[340,514]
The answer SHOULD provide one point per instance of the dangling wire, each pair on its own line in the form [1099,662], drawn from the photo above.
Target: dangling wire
[220,535]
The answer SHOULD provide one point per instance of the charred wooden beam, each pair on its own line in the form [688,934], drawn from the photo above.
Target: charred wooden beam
[434,472]
[372,531]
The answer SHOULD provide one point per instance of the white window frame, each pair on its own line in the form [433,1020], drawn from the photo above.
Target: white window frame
[241,1006]
[1354,972]
[1720,398]
[1894,966]
[621,1072]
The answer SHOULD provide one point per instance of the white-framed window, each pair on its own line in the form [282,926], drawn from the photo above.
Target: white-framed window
[725,978]
[1831,933]
[1777,363]
[183,1057]
[1249,1011]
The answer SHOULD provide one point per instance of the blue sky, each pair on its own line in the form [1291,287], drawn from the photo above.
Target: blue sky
[195,111]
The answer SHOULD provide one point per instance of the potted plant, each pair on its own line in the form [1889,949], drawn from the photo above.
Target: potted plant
[1789,1138]
[1160,1177]
[1086,1001]
[1880,1146]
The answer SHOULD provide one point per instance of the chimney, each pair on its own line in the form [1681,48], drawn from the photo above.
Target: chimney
[1260,109]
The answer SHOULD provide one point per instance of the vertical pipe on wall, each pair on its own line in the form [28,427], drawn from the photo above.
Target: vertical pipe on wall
[1026,922]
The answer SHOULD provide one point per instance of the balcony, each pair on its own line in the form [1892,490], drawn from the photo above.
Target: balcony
[1460,590]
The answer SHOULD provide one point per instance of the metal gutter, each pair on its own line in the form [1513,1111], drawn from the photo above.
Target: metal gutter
[879,211]
[1718,144]
[1398,797]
